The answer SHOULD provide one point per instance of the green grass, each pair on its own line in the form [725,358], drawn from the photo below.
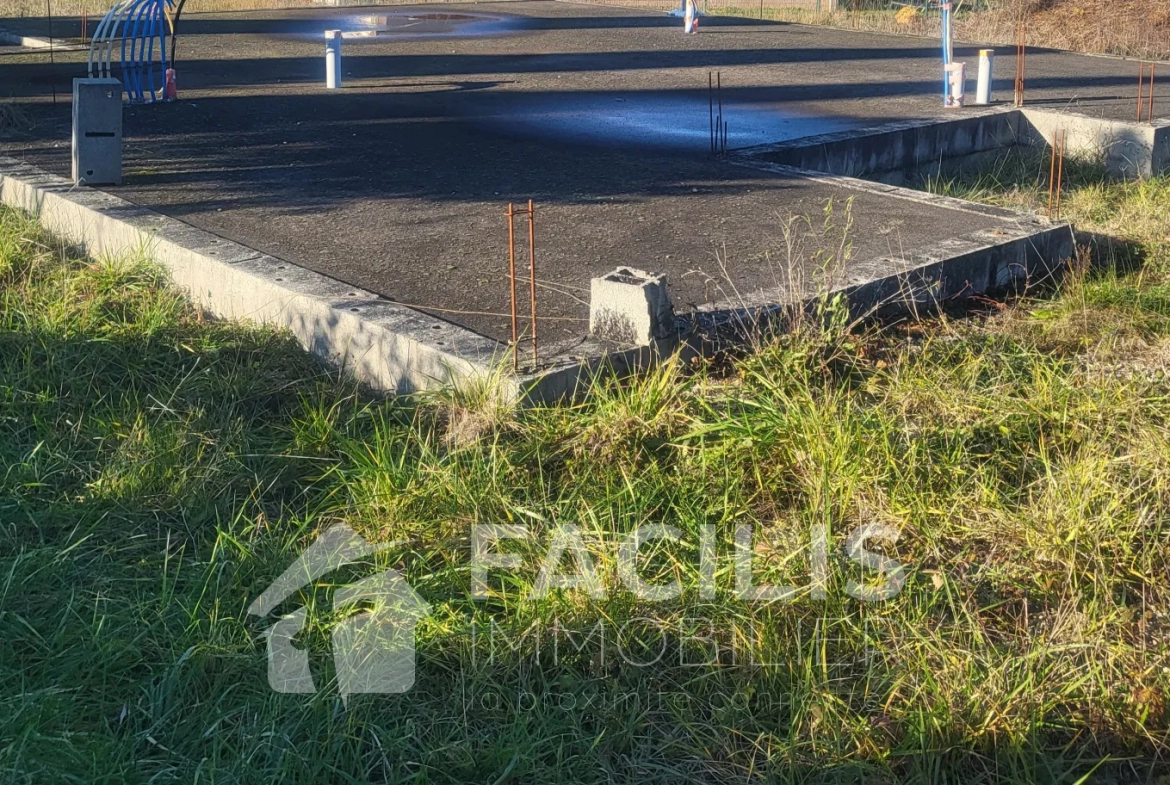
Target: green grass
[1121,306]
[157,471]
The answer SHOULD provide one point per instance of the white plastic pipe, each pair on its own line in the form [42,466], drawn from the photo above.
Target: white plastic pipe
[986,68]
[956,81]
[332,59]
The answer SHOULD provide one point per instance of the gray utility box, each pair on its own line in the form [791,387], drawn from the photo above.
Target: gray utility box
[97,132]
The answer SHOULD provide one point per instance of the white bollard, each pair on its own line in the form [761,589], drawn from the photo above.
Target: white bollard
[986,69]
[332,59]
[690,17]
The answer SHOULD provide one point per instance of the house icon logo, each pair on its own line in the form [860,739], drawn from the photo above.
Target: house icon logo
[373,650]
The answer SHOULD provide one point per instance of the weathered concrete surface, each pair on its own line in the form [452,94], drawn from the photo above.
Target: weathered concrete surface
[385,345]
[899,152]
[891,152]
[1127,148]
[396,184]
[398,349]
[631,307]
[37,42]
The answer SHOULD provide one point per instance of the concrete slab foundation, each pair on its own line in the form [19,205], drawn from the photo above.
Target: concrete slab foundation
[398,349]
[368,219]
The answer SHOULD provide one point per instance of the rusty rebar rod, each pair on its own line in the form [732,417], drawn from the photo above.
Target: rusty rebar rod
[511,213]
[1056,175]
[1141,87]
[1151,109]
[1021,60]
[532,272]
[1052,174]
[1141,97]
[1060,173]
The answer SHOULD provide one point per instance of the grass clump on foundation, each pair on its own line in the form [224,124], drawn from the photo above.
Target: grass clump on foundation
[160,470]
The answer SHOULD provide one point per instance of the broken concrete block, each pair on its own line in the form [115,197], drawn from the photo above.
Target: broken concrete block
[631,307]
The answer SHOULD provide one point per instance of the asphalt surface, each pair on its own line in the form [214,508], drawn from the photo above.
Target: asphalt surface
[398,182]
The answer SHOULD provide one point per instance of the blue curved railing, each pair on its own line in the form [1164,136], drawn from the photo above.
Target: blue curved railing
[129,31]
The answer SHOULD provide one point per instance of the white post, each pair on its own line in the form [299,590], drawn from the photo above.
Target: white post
[956,82]
[986,69]
[332,59]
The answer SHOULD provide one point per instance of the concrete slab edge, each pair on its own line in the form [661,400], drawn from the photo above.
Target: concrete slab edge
[33,42]
[1125,148]
[894,191]
[388,346]
[975,264]
[894,126]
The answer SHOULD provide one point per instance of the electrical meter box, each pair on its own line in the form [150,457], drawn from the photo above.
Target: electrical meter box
[97,132]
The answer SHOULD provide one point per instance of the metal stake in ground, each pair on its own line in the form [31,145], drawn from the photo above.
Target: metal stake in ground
[1141,98]
[53,80]
[511,213]
[532,272]
[1021,56]
[716,124]
[711,109]
[1056,175]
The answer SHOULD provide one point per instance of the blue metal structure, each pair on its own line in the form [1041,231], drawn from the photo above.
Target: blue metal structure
[130,31]
[947,50]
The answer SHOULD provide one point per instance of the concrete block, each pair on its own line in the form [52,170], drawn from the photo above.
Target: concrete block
[1126,149]
[632,308]
[97,132]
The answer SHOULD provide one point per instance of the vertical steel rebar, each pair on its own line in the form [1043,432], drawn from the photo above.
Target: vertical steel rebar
[512,279]
[1021,60]
[1060,173]
[716,124]
[53,78]
[711,108]
[1141,87]
[532,271]
[1151,109]
[1056,175]
[1052,172]
[719,91]
[1141,96]
[84,25]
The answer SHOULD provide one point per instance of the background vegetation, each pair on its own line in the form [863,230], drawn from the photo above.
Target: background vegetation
[1130,28]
